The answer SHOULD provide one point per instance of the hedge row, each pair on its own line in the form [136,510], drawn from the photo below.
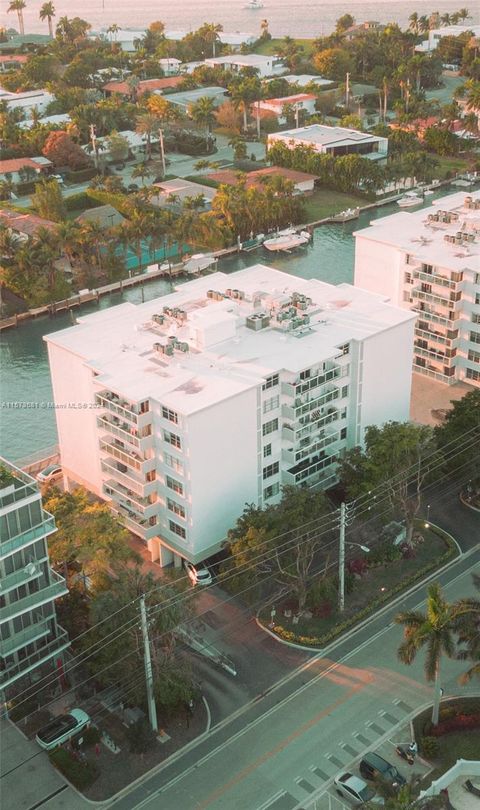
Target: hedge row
[321,641]
[462,722]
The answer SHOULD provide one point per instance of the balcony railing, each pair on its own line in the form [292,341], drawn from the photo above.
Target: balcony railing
[34,600]
[142,528]
[434,337]
[122,408]
[28,537]
[135,481]
[435,278]
[434,299]
[433,317]
[26,636]
[435,375]
[40,656]
[294,476]
[21,577]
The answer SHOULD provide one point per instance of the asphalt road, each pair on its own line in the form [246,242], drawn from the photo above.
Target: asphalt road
[286,745]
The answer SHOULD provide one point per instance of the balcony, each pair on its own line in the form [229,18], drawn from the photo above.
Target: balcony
[140,527]
[40,656]
[308,469]
[123,409]
[130,479]
[27,574]
[303,386]
[433,337]
[432,298]
[433,317]
[436,278]
[433,354]
[129,499]
[27,538]
[294,432]
[34,600]
[27,636]
[132,459]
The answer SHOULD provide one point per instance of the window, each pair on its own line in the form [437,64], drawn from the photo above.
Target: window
[343,433]
[408,259]
[267,450]
[176,529]
[406,297]
[270,491]
[304,375]
[271,404]
[173,484]
[173,462]
[474,357]
[477,298]
[344,391]
[345,348]
[270,382]
[475,337]
[270,427]
[175,507]
[408,278]
[170,415]
[473,374]
[173,439]
[272,469]
[475,317]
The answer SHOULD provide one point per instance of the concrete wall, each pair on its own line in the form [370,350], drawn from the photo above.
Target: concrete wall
[379,268]
[223,467]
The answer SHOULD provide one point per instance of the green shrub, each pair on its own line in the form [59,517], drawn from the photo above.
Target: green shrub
[81,175]
[80,774]
[79,202]
[429,746]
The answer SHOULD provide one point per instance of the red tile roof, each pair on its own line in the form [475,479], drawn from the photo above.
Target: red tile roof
[25,223]
[15,164]
[13,57]
[229,176]
[147,85]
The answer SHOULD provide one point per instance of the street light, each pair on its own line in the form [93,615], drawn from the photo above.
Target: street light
[341,557]
[427,522]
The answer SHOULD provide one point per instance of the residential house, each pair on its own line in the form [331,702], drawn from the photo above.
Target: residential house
[334,141]
[303,182]
[129,90]
[27,102]
[172,193]
[264,65]
[186,98]
[301,102]
[21,169]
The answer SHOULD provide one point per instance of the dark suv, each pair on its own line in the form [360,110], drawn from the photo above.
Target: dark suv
[372,766]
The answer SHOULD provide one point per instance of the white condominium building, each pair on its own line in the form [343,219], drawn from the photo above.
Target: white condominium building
[429,261]
[192,405]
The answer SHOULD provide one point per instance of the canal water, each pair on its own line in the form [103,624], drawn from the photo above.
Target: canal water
[27,420]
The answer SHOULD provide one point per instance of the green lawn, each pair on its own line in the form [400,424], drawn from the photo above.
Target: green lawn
[270,46]
[324,203]
[450,164]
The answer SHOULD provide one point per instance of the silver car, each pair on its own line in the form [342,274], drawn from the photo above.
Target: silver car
[354,789]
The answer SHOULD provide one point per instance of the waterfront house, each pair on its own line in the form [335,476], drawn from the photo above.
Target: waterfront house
[334,141]
[303,182]
[264,65]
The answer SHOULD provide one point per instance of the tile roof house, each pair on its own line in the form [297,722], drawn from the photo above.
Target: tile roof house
[299,101]
[302,181]
[15,167]
[145,86]
[26,225]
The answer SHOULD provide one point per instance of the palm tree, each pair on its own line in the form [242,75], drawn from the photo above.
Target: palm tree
[209,32]
[18,6]
[47,12]
[147,125]
[141,171]
[203,112]
[264,32]
[433,630]
[473,95]
[463,14]
[445,19]
[413,23]
[423,24]
[468,629]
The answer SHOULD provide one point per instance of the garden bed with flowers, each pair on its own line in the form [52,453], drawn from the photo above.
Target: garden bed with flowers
[370,581]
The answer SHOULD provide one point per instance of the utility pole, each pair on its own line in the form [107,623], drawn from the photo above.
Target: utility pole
[258,118]
[296,115]
[341,558]
[162,151]
[347,89]
[93,141]
[152,709]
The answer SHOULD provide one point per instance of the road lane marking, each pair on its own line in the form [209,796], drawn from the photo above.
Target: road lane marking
[253,766]
[318,772]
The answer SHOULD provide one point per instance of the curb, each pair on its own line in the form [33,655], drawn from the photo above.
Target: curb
[468,505]
[356,627]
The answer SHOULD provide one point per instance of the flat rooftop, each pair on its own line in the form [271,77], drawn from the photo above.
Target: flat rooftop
[423,235]
[326,136]
[224,356]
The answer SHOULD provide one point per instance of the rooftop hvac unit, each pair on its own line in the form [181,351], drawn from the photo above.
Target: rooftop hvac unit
[181,315]
[172,340]
[218,296]
[228,292]
[168,350]
[160,319]
[210,293]
[257,321]
[182,347]
[158,347]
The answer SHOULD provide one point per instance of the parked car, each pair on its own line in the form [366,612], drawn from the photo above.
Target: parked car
[57,177]
[62,728]
[373,766]
[355,789]
[198,576]
[50,473]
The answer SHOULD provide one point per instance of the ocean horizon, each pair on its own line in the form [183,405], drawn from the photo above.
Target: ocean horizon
[300,18]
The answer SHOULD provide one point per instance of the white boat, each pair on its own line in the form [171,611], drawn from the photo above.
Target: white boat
[253,4]
[410,199]
[347,215]
[287,240]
